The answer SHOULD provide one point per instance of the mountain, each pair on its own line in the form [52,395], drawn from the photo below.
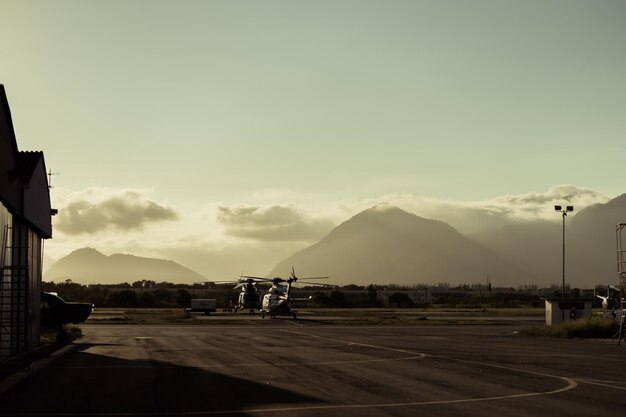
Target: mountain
[88,266]
[601,217]
[537,246]
[594,242]
[385,244]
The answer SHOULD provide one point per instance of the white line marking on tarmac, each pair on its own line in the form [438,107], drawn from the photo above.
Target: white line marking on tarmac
[602,383]
[570,384]
[569,380]
[423,355]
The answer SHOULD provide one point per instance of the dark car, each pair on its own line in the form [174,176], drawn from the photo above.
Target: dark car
[57,311]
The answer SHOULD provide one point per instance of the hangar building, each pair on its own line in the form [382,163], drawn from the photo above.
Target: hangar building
[25,220]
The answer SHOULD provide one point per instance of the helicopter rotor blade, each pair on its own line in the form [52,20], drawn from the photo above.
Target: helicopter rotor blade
[316,283]
[257,278]
[314,278]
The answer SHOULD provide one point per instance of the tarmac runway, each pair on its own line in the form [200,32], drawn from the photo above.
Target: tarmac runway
[303,369]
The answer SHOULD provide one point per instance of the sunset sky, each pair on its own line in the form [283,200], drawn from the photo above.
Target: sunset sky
[227,134]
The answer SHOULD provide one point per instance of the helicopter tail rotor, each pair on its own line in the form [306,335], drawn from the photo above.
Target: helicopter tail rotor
[293,275]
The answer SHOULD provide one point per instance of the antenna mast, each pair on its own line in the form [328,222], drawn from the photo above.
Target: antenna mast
[50,174]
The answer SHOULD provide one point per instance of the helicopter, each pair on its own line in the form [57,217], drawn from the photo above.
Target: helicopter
[610,300]
[277,301]
[249,297]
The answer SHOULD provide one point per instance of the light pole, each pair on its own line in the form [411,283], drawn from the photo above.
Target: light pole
[564,212]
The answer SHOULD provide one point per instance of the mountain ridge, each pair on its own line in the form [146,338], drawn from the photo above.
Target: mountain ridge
[589,243]
[385,244]
[88,265]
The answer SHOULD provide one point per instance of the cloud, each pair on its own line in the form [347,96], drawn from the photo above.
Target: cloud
[539,203]
[472,216]
[273,223]
[220,238]
[228,261]
[94,211]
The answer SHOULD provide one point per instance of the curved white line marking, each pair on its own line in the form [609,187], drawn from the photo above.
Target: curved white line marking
[443,357]
[571,384]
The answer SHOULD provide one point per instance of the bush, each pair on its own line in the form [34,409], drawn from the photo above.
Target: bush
[183,298]
[60,334]
[594,327]
[400,300]
[126,298]
[319,299]
[147,300]
[338,299]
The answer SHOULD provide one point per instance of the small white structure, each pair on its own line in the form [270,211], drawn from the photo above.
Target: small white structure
[203,305]
[559,310]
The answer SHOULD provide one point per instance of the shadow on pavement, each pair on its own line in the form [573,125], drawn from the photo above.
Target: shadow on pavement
[83,383]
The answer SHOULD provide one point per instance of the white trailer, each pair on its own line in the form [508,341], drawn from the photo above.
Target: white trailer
[203,305]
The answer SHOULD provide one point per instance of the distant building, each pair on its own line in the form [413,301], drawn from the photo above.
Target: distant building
[25,220]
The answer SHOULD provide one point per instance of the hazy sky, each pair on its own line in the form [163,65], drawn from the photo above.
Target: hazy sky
[204,122]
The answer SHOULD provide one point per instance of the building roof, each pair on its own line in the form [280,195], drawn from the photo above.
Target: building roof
[6,122]
[23,181]
[26,164]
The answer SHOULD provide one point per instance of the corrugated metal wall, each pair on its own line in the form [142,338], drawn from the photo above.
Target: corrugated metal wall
[19,287]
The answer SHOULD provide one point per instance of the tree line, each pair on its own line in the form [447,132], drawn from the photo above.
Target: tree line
[149,294]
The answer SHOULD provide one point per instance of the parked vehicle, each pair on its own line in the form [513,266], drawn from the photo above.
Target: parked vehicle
[57,311]
[203,305]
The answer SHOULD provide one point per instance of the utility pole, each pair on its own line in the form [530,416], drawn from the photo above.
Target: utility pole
[563,212]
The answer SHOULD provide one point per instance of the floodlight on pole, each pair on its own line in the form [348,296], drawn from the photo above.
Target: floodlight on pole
[563,212]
